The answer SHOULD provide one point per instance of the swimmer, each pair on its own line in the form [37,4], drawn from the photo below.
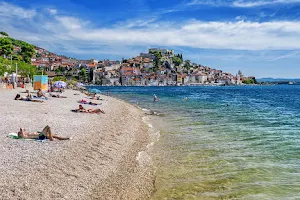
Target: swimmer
[185,98]
[155,99]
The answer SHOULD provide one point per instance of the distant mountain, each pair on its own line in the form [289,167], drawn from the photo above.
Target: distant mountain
[276,80]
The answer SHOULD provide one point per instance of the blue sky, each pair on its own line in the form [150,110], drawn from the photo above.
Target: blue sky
[260,38]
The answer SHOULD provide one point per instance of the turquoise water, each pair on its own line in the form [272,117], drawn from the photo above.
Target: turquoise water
[224,142]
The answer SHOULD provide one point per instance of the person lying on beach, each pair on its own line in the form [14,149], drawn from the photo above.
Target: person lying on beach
[57,96]
[96,98]
[28,96]
[45,134]
[88,102]
[82,109]
[18,97]
[97,110]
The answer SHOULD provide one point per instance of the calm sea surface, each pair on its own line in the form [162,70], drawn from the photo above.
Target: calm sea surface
[224,142]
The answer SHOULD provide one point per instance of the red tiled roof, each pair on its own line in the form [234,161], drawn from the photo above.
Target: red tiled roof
[127,68]
[91,65]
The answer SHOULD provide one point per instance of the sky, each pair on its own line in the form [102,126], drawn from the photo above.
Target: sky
[261,38]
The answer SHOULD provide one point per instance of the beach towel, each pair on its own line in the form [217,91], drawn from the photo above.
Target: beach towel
[15,136]
[40,98]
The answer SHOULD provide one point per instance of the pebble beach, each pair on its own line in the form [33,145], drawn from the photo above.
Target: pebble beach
[101,161]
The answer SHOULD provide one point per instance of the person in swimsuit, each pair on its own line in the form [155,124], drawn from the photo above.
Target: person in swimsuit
[82,109]
[98,110]
[155,98]
[45,134]
[88,102]
[40,94]
[57,96]
[18,97]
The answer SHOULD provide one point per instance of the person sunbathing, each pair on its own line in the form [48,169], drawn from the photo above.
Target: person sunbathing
[45,134]
[96,98]
[88,102]
[18,97]
[82,109]
[40,94]
[97,110]
[57,96]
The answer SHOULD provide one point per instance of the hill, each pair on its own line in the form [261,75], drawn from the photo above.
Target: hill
[278,80]
[16,53]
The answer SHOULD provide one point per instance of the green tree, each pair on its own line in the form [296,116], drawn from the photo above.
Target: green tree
[4,66]
[59,78]
[157,61]
[4,33]
[24,69]
[27,52]
[249,81]
[17,57]
[187,64]
[177,61]
[83,74]
[124,60]
[6,46]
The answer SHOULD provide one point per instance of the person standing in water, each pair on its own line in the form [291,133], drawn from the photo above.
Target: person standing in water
[155,98]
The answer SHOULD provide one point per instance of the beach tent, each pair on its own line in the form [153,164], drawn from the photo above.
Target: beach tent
[40,82]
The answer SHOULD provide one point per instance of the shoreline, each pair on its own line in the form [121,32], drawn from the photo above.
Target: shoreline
[106,159]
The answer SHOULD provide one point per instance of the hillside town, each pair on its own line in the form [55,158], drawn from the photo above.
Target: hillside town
[154,68]
[157,67]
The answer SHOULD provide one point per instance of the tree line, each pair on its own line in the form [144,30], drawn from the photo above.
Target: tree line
[8,44]
[10,59]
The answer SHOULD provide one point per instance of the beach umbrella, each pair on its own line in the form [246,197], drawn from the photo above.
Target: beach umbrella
[80,84]
[59,84]
[95,91]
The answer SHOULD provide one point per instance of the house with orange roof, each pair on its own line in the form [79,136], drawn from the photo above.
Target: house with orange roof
[128,75]
[92,65]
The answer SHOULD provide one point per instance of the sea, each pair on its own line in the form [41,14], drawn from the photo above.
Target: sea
[230,142]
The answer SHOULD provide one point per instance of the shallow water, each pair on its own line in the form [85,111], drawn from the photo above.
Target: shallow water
[224,142]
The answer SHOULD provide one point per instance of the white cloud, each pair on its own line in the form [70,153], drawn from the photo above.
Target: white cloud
[290,55]
[136,23]
[206,2]
[239,35]
[64,33]
[9,10]
[241,3]
[52,11]
[248,4]
[70,23]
